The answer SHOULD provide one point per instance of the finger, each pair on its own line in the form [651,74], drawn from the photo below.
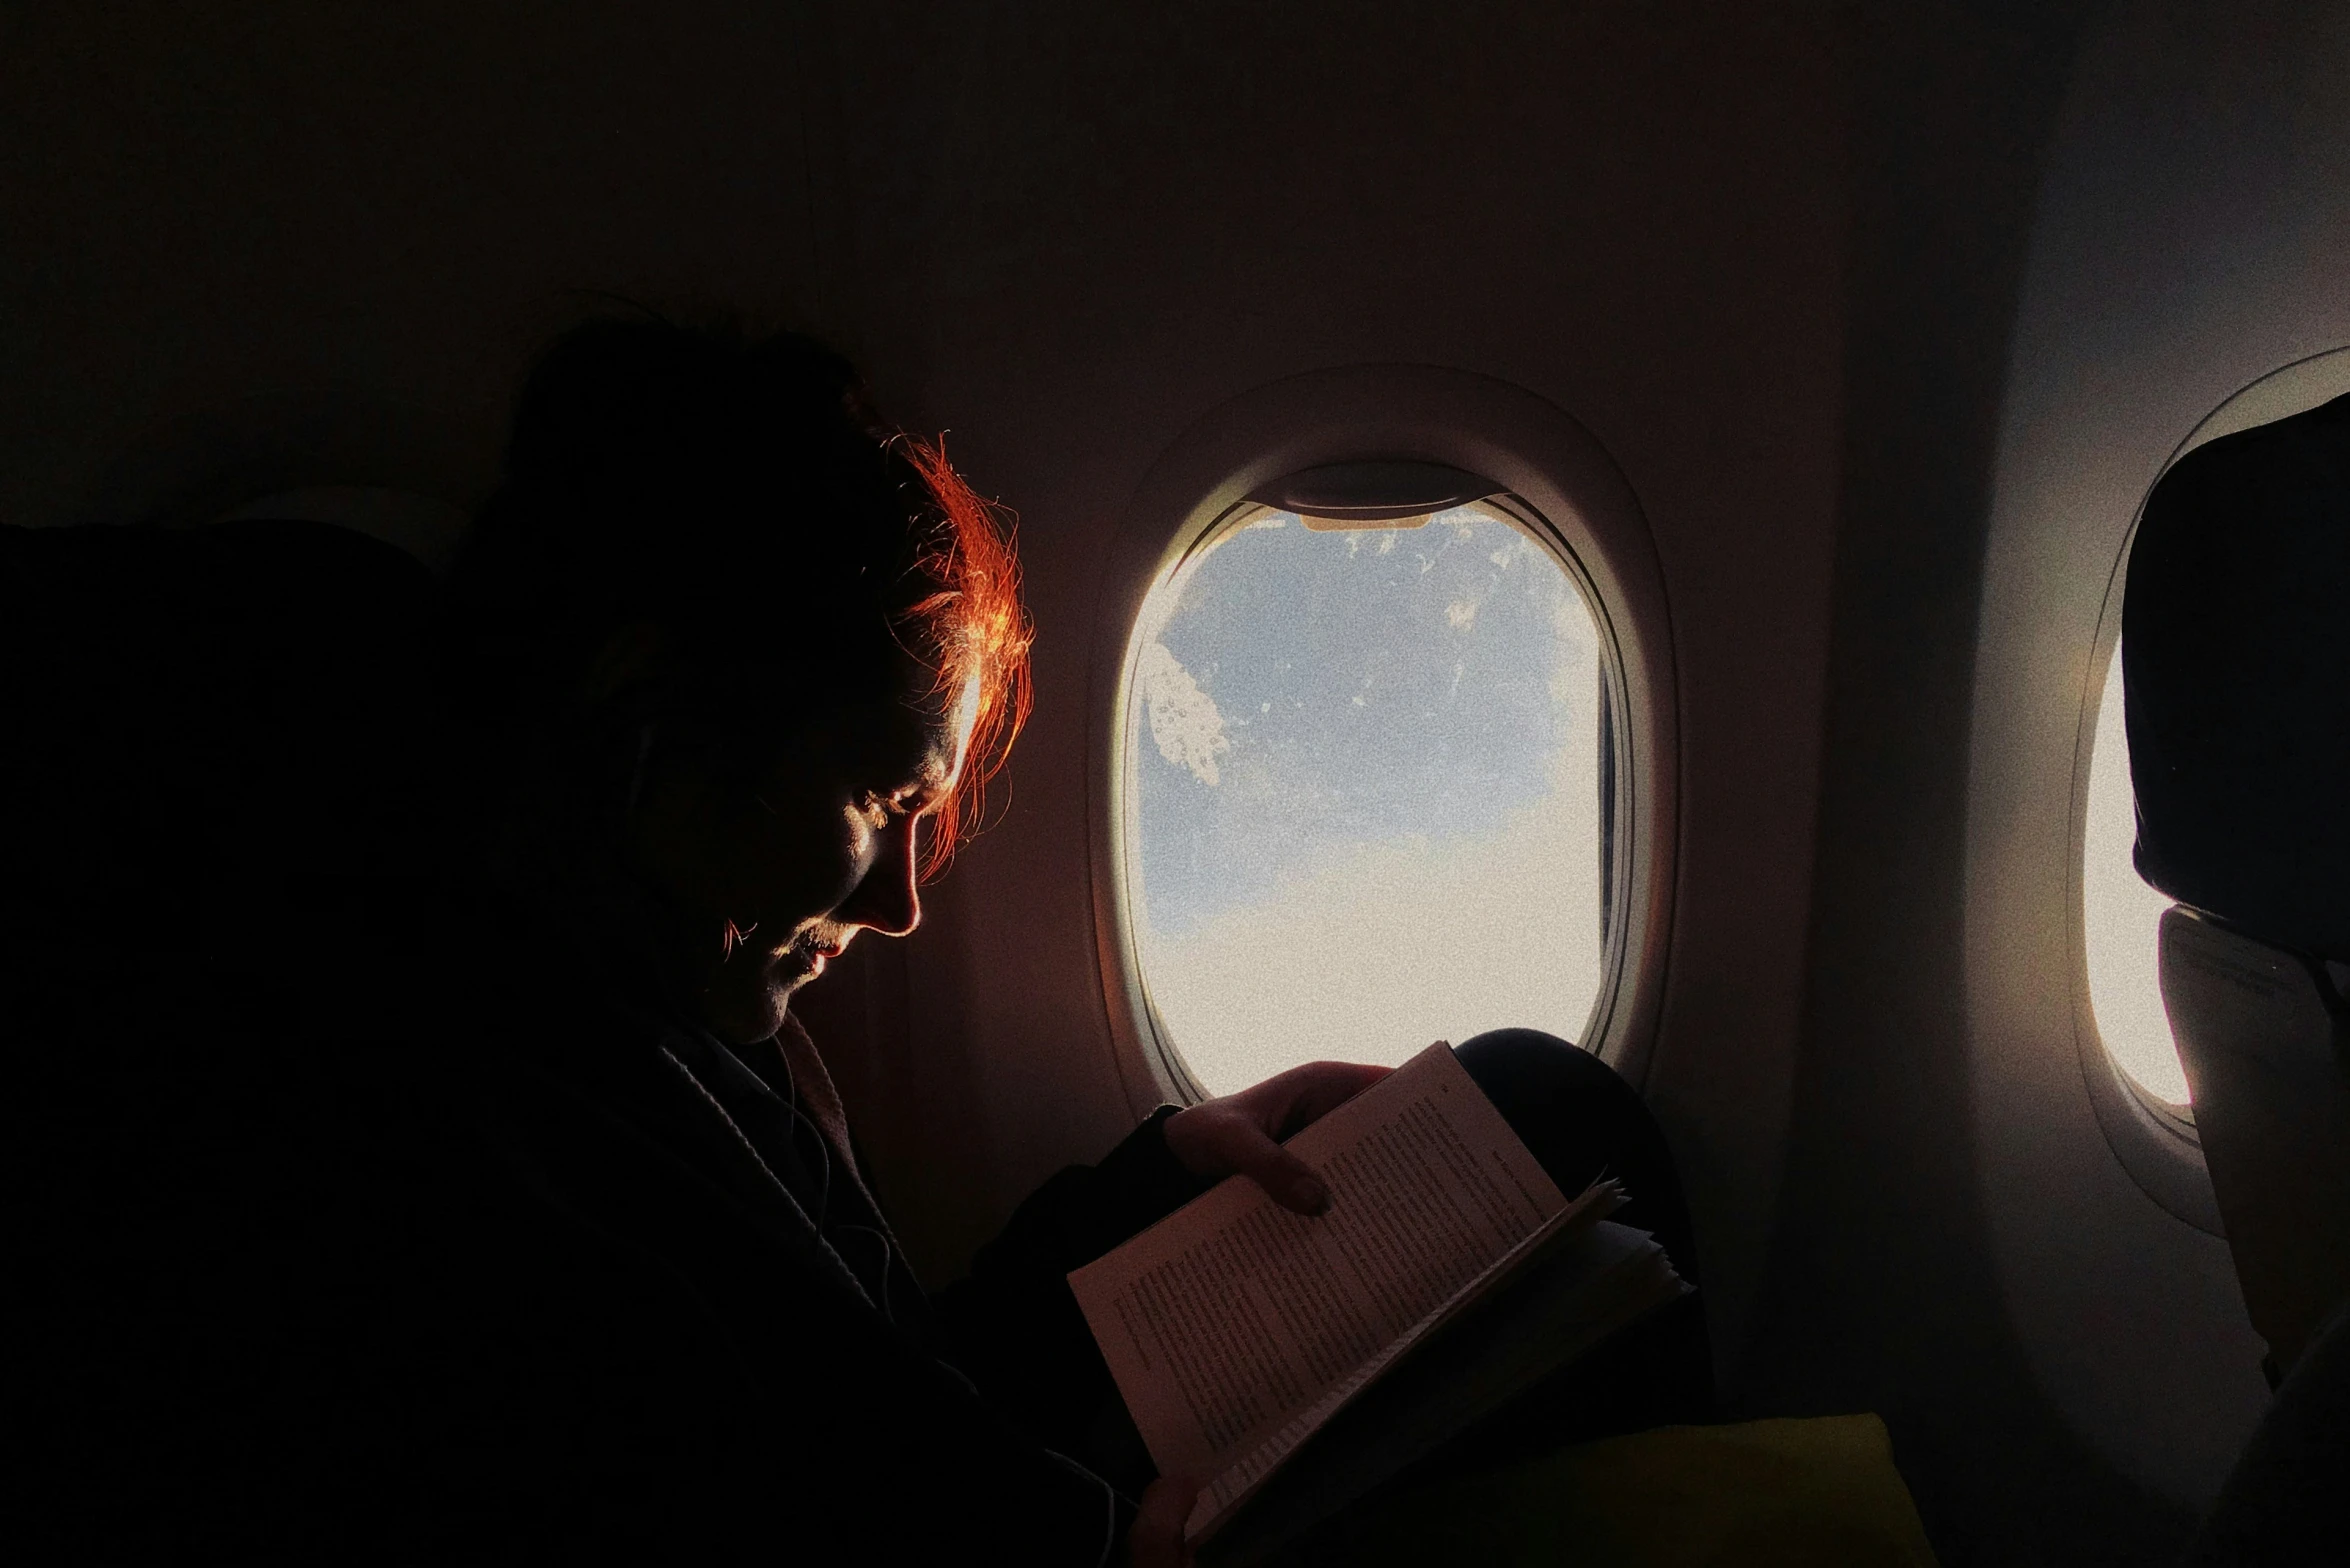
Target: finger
[1290,1180]
[1230,1141]
[1288,1102]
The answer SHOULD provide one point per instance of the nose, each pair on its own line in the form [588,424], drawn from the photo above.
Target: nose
[886,901]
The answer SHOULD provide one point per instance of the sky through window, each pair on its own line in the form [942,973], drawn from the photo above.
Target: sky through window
[2122,916]
[1364,794]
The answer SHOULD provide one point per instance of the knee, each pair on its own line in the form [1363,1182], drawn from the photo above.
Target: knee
[1539,1072]
[1582,1122]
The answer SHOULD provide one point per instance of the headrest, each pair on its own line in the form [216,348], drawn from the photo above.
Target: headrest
[192,707]
[2236,669]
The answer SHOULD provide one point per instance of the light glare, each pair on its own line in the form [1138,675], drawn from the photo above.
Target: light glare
[2122,916]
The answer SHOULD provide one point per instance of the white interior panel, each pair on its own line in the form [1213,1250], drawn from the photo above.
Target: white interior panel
[2187,243]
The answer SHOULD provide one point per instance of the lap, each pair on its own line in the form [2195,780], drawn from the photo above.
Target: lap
[1584,1122]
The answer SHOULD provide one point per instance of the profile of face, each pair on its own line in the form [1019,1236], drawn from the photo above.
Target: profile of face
[773,881]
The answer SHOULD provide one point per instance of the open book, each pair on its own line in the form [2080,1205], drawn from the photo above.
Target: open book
[1238,1330]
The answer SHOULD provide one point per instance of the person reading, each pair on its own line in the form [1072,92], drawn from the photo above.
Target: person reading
[585,1255]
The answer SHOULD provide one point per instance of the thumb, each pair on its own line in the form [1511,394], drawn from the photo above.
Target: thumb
[1290,1180]
[1155,1539]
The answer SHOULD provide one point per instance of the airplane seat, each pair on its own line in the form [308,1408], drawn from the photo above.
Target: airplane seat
[212,729]
[206,721]
[2236,669]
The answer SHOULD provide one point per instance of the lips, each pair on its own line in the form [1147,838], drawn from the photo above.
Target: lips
[811,956]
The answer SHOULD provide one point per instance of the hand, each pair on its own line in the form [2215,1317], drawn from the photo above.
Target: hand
[1155,1539]
[1240,1134]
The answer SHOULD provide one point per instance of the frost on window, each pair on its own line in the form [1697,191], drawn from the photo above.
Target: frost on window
[1363,803]
[2121,916]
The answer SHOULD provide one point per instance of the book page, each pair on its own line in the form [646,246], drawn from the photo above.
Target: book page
[1234,1326]
[1239,1480]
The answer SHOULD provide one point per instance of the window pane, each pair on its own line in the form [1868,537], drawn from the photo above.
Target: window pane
[2123,915]
[1363,806]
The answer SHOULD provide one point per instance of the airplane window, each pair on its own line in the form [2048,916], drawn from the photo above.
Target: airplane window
[1364,776]
[2121,916]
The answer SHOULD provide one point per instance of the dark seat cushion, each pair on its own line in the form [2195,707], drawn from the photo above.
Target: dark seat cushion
[2283,1503]
[202,725]
[204,730]
[2236,662]
[188,707]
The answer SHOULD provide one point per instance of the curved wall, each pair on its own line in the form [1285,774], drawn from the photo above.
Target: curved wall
[2189,240]
[1078,230]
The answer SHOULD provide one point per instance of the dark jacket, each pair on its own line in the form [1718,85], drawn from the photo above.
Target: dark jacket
[348,1220]
[499,1264]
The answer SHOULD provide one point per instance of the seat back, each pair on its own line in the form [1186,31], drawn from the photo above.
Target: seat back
[199,719]
[2236,668]
[203,728]
[2236,665]
[2260,1035]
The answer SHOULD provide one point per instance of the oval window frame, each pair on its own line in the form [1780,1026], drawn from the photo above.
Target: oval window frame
[1556,472]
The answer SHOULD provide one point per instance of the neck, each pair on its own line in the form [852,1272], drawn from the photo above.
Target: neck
[705,973]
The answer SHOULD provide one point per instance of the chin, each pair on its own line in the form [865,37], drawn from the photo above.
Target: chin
[790,972]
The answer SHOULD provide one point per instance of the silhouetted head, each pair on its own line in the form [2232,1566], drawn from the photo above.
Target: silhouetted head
[2236,660]
[723,623]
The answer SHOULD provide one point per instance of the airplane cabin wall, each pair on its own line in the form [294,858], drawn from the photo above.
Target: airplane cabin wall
[1099,225]
[1771,256]
[2189,241]
[289,247]
[2063,1360]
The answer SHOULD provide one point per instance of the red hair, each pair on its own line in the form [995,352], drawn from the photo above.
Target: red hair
[970,628]
[742,496]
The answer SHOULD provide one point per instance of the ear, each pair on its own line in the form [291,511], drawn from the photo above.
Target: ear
[628,658]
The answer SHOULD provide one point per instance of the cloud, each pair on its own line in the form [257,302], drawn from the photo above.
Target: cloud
[1185,722]
[1368,951]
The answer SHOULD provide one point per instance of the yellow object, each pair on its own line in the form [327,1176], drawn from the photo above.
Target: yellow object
[1760,1494]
